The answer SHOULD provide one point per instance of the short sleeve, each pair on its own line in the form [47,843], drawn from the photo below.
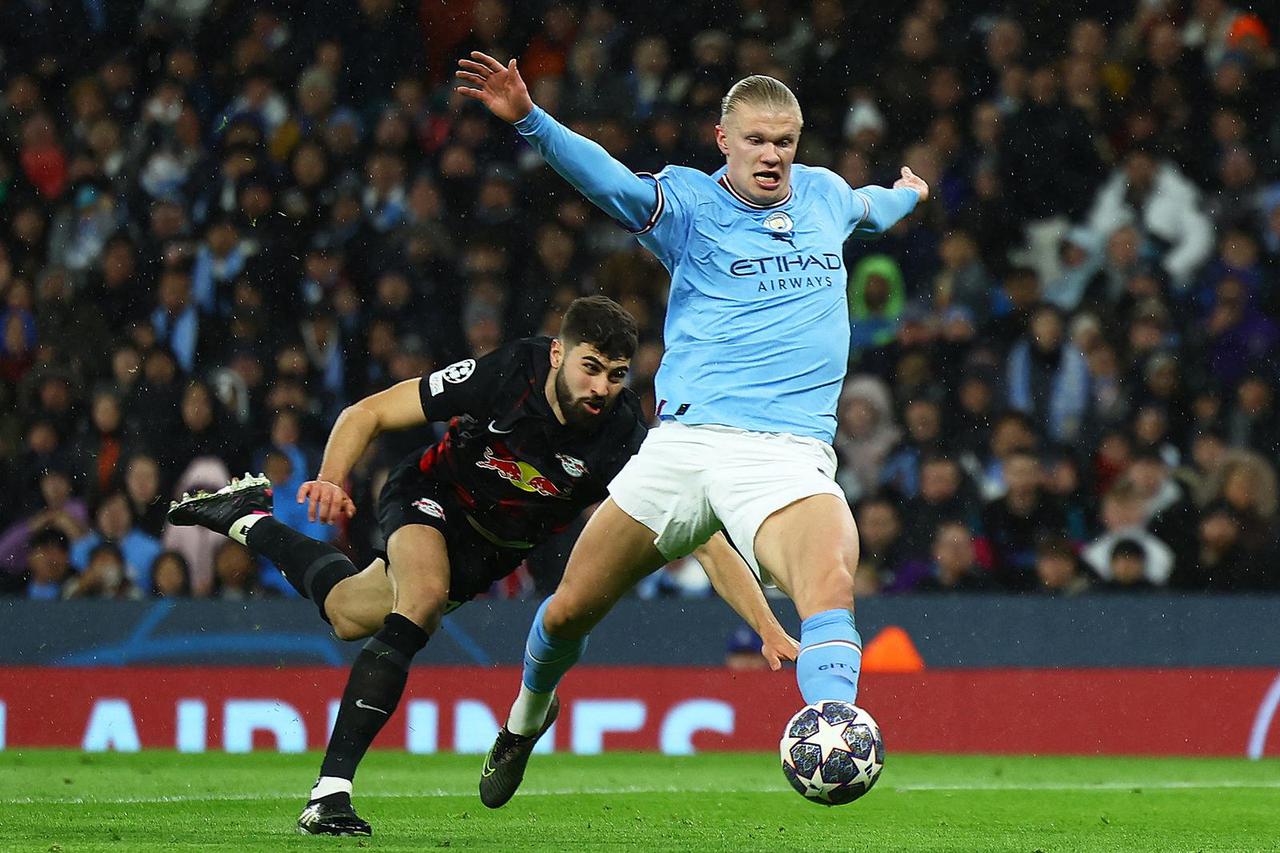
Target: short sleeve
[851,207]
[465,387]
[667,231]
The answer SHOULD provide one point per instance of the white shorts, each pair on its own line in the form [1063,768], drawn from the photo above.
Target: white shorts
[687,482]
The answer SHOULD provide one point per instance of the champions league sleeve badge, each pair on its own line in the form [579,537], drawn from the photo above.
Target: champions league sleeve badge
[457,372]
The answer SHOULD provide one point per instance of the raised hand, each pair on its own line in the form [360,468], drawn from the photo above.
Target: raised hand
[326,501]
[499,87]
[913,181]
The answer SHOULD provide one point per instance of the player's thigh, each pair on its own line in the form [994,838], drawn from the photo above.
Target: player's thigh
[661,489]
[357,605]
[613,553]
[762,478]
[418,561]
[810,547]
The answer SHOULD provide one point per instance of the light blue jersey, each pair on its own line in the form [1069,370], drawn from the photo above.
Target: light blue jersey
[757,328]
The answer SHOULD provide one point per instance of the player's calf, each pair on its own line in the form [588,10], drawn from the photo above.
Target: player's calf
[357,606]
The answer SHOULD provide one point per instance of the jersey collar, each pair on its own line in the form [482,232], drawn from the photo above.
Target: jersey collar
[723,180]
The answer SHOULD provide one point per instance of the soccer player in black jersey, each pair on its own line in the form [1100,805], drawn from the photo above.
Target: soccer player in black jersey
[537,429]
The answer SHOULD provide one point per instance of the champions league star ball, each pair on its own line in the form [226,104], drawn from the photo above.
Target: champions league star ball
[832,752]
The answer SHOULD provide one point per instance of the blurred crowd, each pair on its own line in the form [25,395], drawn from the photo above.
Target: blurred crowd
[222,221]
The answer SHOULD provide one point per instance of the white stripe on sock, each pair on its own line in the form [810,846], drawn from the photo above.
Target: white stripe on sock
[327,785]
[850,643]
[240,527]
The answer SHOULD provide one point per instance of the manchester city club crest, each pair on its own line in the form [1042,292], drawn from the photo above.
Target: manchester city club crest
[779,223]
[780,227]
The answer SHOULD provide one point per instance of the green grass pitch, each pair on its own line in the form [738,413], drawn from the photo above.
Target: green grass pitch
[66,802]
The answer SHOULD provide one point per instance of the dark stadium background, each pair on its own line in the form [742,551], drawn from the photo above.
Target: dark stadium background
[222,221]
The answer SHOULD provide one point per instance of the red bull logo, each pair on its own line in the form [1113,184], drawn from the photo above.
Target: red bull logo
[522,475]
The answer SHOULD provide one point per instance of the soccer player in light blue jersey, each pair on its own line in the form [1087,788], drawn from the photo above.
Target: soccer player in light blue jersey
[757,342]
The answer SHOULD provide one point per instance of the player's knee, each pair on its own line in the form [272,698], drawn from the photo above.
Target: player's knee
[423,605]
[561,620]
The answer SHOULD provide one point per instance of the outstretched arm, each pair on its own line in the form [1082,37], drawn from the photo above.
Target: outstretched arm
[737,585]
[398,407]
[605,182]
[885,207]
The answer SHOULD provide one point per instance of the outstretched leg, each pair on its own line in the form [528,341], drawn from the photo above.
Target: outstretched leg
[354,602]
[613,553]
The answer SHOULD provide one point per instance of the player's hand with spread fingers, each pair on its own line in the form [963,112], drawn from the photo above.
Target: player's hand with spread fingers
[911,180]
[499,87]
[325,501]
[779,646]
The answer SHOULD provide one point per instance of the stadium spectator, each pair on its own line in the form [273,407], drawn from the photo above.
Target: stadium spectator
[901,471]
[1124,509]
[98,451]
[142,487]
[1057,571]
[1013,524]
[1222,562]
[944,496]
[1048,378]
[1064,482]
[881,557]
[48,571]
[954,565]
[113,523]
[1156,197]
[170,577]
[865,435]
[877,296]
[1126,569]
[60,511]
[103,576]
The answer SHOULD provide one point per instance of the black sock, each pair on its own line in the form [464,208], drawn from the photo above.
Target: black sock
[373,692]
[312,567]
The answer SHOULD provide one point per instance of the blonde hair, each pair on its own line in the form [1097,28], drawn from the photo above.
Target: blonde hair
[758,90]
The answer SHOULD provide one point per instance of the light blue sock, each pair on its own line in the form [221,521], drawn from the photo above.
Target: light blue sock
[546,658]
[830,657]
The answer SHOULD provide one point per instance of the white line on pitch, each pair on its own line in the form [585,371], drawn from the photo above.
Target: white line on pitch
[296,795]
[1163,785]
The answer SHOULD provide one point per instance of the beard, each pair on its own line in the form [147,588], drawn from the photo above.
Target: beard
[575,410]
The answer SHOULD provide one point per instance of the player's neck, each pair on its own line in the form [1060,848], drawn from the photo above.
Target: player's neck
[549,391]
[780,196]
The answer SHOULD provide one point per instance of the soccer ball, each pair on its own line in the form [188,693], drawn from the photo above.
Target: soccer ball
[832,752]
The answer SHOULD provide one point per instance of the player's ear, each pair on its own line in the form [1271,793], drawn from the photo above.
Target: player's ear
[721,140]
[557,353]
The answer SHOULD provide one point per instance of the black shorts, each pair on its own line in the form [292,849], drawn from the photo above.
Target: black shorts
[411,497]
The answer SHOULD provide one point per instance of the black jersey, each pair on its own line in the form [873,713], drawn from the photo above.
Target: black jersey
[521,474]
